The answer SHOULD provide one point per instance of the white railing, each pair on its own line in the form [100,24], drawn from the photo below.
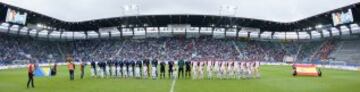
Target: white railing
[218,32]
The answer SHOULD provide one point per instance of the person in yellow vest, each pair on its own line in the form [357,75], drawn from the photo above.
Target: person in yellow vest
[31,69]
[71,67]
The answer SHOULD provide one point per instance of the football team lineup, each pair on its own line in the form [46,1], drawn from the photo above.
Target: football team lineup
[180,69]
[273,78]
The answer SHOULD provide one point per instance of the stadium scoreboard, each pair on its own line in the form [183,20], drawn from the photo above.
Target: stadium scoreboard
[15,16]
[342,17]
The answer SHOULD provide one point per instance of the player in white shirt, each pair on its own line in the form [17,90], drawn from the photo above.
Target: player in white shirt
[113,69]
[217,69]
[248,69]
[154,64]
[145,72]
[230,71]
[201,70]
[256,70]
[237,69]
[175,74]
[209,69]
[118,69]
[124,70]
[242,69]
[194,69]
[138,65]
[99,69]
[223,70]
[93,68]
[107,70]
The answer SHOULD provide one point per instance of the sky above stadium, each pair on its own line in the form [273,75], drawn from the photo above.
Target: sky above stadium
[273,10]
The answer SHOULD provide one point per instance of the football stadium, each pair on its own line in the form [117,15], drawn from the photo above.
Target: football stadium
[179,46]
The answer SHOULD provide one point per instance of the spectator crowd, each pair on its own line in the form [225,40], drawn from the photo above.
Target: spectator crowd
[14,49]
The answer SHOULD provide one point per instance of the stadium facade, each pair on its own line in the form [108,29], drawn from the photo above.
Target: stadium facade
[316,27]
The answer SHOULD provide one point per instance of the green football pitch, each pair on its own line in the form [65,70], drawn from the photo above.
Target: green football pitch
[273,79]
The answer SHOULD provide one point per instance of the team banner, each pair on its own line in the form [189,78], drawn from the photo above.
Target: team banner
[306,70]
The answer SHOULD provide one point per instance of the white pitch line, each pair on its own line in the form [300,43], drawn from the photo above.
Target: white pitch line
[173,85]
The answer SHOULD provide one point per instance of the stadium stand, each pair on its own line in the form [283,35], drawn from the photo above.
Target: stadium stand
[347,52]
[194,37]
[204,48]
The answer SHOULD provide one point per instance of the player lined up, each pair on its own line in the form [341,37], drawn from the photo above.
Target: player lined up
[225,69]
[193,69]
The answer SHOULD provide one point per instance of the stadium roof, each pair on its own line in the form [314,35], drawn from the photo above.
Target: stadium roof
[273,15]
[272,10]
